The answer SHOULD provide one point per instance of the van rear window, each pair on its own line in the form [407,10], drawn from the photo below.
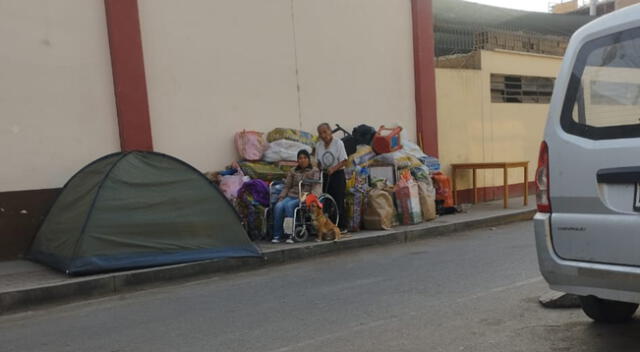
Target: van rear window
[603,98]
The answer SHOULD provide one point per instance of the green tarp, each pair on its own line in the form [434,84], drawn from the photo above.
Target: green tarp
[138,209]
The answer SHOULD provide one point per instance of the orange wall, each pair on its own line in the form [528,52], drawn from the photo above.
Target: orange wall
[471,128]
[565,7]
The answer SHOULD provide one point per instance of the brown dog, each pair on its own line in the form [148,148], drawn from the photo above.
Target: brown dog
[327,230]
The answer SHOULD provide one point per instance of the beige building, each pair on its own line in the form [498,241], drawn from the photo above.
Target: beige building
[582,7]
[492,106]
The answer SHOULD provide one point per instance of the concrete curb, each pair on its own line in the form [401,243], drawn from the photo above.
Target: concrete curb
[559,300]
[121,282]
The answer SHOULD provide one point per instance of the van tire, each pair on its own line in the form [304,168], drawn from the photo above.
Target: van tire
[607,311]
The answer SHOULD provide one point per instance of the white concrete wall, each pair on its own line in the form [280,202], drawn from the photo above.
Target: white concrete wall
[57,109]
[215,67]
[355,60]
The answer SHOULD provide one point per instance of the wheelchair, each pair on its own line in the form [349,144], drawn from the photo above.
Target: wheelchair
[300,226]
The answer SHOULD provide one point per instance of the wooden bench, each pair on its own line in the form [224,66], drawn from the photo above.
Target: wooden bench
[505,166]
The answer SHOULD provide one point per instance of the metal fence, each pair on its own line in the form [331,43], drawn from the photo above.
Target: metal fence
[452,39]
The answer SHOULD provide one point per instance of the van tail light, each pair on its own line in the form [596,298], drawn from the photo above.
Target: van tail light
[543,198]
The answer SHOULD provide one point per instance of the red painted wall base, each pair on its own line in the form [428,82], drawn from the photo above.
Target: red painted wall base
[21,213]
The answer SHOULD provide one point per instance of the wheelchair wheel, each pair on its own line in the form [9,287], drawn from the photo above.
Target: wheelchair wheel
[330,208]
[300,234]
[300,231]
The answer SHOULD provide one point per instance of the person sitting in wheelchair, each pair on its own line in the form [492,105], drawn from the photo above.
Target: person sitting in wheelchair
[290,196]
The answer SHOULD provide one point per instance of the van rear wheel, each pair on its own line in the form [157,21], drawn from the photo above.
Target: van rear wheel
[607,311]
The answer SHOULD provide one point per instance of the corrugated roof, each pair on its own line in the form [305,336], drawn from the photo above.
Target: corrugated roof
[464,12]
[457,21]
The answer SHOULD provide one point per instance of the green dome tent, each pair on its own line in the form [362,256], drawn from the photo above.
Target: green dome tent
[138,209]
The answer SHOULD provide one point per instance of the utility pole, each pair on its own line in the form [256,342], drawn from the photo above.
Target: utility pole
[593,8]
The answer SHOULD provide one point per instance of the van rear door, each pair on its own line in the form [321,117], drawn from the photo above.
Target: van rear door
[594,154]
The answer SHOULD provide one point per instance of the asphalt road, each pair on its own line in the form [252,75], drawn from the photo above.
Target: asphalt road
[472,291]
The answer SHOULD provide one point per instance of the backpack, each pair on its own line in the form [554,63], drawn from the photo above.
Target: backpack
[363,134]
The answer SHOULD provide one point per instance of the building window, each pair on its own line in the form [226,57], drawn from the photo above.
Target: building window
[521,89]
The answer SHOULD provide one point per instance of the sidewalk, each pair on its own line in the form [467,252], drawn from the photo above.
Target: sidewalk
[24,284]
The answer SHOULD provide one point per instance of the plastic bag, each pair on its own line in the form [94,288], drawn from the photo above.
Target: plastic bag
[274,192]
[253,198]
[421,174]
[442,184]
[432,163]
[408,200]
[284,150]
[250,145]
[229,185]
[413,149]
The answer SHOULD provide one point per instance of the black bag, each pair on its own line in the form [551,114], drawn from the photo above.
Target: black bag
[363,134]
[350,145]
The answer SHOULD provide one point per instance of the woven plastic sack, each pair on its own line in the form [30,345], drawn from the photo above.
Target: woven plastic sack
[250,145]
[401,159]
[354,203]
[292,135]
[427,200]
[408,200]
[262,170]
[284,150]
[363,154]
[355,198]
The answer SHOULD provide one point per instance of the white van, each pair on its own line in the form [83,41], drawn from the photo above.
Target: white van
[588,223]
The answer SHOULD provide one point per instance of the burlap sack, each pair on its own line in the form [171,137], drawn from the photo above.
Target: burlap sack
[380,211]
[427,201]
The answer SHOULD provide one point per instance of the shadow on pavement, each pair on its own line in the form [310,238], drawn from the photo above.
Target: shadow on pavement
[612,337]
[589,336]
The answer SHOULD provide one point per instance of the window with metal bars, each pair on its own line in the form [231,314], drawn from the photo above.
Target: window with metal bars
[521,89]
